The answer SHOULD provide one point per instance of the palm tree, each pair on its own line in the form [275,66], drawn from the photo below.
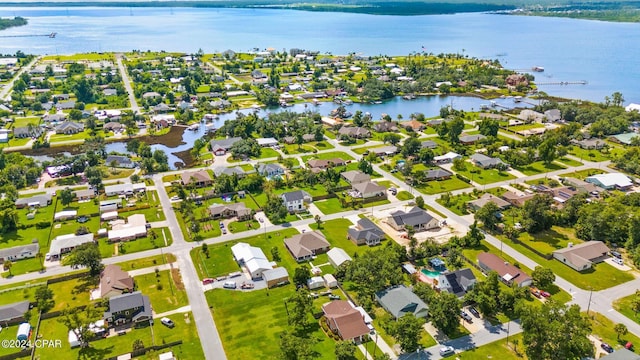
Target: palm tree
[7,265]
[39,256]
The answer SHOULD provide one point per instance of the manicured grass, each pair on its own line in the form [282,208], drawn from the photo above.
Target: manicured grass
[498,349]
[184,330]
[485,176]
[328,155]
[335,232]
[268,153]
[220,260]
[147,262]
[539,167]
[329,206]
[440,186]
[117,173]
[9,333]
[73,293]
[458,203]
[24,266]
[165,290]
[550,240]
[583,174]
[600,276]
[589,155]
[623,305]
[569,162]
[364,149]
[18,141]
[604,328]
[12,295]
[239,226]
[73,137]
[404,195]
[386,183]
[268,316]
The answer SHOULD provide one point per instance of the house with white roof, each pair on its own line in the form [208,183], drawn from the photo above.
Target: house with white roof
[610,181]
[252,258]
[447,158]
[338,256]
[65,243]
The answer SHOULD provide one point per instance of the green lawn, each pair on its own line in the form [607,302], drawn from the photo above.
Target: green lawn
[9,333]
[550,240]
[24,266]
[604,328]
[404,195]
[147,262]
[569,162]
[329,206]
[539,167]
[268,317]
[458,203]
[73,137]
[498,349]
[623,305]
[166,292]
[335,231]
[328,155]
[600,276]
[440,186]
[364,149]
[240,226]
[583,174]
[220,260]
[268,153]
[589,155]
[484,176]
[72,293]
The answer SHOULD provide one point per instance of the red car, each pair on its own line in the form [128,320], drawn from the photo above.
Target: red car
[545,294]
[207,281]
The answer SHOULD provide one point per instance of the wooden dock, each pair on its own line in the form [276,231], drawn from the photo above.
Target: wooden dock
[50,35]
[580,82]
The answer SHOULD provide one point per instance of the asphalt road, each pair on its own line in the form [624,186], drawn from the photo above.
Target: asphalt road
[127,84]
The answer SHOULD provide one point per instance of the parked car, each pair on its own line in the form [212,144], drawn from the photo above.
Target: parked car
[618,261]
[82,219]
[167,322]
[475,312]
[224,231]
[207,281]
[545,294]
[447,350]
[47,256]
[606,347]
[247,286]
[616,254]
[261,220]
[229,285]
[466,316]
[334,297]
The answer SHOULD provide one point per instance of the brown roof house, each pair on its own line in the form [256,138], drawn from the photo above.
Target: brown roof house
[355,177]
[224,211]
[306,245]
[515,199]
[198,178]
[325,163]
[582,256]
[369,189]
[345,321]
[414,125]
[488,198]
[114,281]
[508,273]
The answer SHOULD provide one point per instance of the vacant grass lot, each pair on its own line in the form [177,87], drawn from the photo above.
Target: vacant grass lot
[550,240]
[440,186]
[327,156]
[583,174]
[165,290]
[539,167]
[600,276]
[589,155]
[570,162]
[72,293]
[506,352]
[404,195]
[268,317]
[147,262]
[335,231]
[329,206]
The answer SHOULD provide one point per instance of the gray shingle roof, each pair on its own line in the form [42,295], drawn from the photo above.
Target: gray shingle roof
[129,301]
[17,250]
[400,300]
[224,143]
[415,216]
[295,196]
[13,311]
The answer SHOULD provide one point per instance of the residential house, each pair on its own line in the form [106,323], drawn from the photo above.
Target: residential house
[134,228]
[365,232]
[516,200]
[355,132]
[86,194]
[321,164]
[69,127]
[120,161]
[486,162]
[416,218]
[294,200]
[229,171]
[621,354]
[582,186]
[355,177]
[114,281]
[471,139]
[437,174]
[150,95]
[447,158]
[221,146]
[19,252]
[14,311]
[307,245]
[198,178]
[126,189]
[113,126]
[34,201]
[529,116]
[561,194]
[54,118]
[257,74]
[429,144]
[488,198]
[27,132]
[252,258]
[508,273]
[385,126]
[345,321]
[457,282]
[267,142]
[225,211]
[63,244]
[581,257]
[160,109]
[110,92]
[589,144]
[610,181]
[384,150]
[553,115]
[369,189]
[270,170]
[276,277]
[399,300]
[414,125]
[128,308]
[337,257]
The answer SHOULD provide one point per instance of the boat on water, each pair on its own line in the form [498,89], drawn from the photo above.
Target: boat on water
[347,102]
[517,99]
[337,101]
[493,103]
[484,107]
[538,69]
[316,102]
[194,127]
[409,97]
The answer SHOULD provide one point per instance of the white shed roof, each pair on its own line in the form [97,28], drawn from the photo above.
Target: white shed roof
[612,179]
[338,256]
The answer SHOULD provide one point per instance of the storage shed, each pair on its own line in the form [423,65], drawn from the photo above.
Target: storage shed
[330,281]
[23,331]
[315,282]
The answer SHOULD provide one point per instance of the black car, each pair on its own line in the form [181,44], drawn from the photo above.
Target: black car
[82,219]
[466,316]
[475,312]
[606,347]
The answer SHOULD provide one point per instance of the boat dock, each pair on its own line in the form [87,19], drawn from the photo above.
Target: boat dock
[580,82]
[50,35]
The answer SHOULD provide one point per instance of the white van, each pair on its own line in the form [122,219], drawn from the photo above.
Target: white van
[229,285]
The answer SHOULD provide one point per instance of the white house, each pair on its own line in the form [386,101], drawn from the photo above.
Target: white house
[294,200]
[252,258]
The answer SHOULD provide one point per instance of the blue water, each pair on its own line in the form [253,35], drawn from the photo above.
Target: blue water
[604,54]
[430,274]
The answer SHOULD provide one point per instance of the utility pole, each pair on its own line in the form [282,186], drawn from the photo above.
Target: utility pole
[589,305]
